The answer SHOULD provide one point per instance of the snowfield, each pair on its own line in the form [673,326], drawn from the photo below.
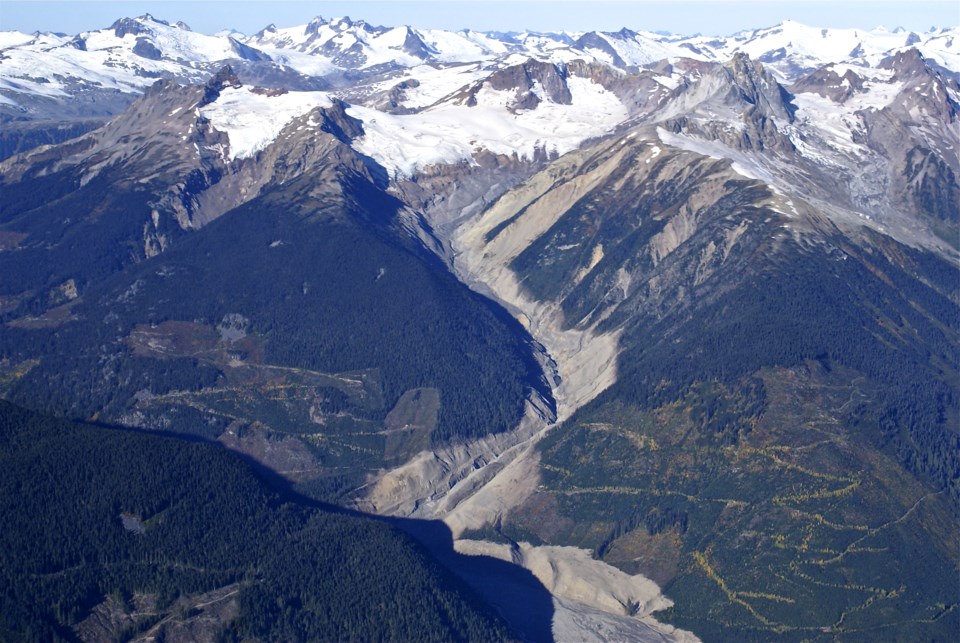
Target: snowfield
[252,121]
[451,132]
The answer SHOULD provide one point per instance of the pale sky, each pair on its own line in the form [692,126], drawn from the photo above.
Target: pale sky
[711,17]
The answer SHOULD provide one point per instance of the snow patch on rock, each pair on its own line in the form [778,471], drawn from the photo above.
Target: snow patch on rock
[452,132]
[252,121]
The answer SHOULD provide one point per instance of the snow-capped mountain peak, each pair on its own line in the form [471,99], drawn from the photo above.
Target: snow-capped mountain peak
[133,52]
[431,97]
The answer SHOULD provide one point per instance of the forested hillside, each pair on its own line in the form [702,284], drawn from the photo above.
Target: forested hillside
[313,319]
[110,534]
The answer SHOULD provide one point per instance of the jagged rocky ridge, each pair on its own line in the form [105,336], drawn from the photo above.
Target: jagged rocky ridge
[98,73]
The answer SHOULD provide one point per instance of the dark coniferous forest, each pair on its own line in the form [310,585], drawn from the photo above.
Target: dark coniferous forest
[161,535]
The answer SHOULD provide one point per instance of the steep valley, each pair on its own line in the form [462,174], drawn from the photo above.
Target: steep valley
[784,436]
[658,335]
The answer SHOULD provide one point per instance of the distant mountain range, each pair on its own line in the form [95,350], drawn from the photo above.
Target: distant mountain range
[641,313]
[97,69]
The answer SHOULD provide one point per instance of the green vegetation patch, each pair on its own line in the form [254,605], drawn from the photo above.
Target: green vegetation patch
[784,521]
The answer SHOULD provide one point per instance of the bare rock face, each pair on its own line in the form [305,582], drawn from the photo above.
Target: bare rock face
[631,192]
[147,49]
[164,141]
[932,185]
[527,80]
[739,104]
[336,121]
[391,100]
[916,136]
[129,26]
[246,52]
[224,78]
[906,64]
[753,84]
[828,83]
[593,40]
[415,46]
[444,192]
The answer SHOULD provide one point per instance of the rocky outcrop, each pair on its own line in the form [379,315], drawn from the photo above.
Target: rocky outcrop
[739,104]
[828,83]
[224,78]
[391,101]
[593,40]
[130,27]
[165,143]
[527,80]
[415,46]
[246,52]
[906,64]
[933,186]
[751,83]
[146,49]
